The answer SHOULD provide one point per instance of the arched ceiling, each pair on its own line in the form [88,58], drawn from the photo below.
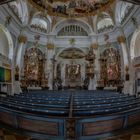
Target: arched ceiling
[43,17]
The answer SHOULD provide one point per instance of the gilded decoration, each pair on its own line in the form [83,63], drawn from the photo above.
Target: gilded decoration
[110,67]
[121,39]
[94,46]
[71,8]
[90,57]
[50,46]
[22,39]
[34,62]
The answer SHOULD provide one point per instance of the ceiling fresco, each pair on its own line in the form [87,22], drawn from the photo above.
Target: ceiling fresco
[71,8]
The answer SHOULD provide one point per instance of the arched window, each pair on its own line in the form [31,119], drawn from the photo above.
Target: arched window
[41,23]
[104,23]
[72,30]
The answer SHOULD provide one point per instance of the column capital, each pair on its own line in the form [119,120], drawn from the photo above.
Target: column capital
[121,39]
[94,46]
[22,39]
[50,46]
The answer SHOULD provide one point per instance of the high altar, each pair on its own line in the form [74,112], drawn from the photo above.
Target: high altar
[72,68]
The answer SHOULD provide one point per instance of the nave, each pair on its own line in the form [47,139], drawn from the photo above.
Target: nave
[69,70]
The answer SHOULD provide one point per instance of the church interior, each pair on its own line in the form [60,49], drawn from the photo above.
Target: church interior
[69,70]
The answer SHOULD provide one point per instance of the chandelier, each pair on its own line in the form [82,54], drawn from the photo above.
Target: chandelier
[71,8]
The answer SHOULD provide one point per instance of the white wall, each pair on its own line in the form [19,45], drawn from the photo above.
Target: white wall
[137,46]
[4,45]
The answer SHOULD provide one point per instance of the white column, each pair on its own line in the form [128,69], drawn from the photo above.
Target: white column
[96,64]
[17,60]
[63,73]
[83,72]
[50,70]
[22,40]
[133,77]
[127,84]
[91,84]
[13,67]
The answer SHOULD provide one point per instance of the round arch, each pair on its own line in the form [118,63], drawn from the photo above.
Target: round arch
[58,54]
[39,19]
[6,43]
[103,20]
[134,45]
[39,14]
[66,22]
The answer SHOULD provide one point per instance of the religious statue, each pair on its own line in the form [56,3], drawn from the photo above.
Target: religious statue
[110,73]
[110,67]
[33,67]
